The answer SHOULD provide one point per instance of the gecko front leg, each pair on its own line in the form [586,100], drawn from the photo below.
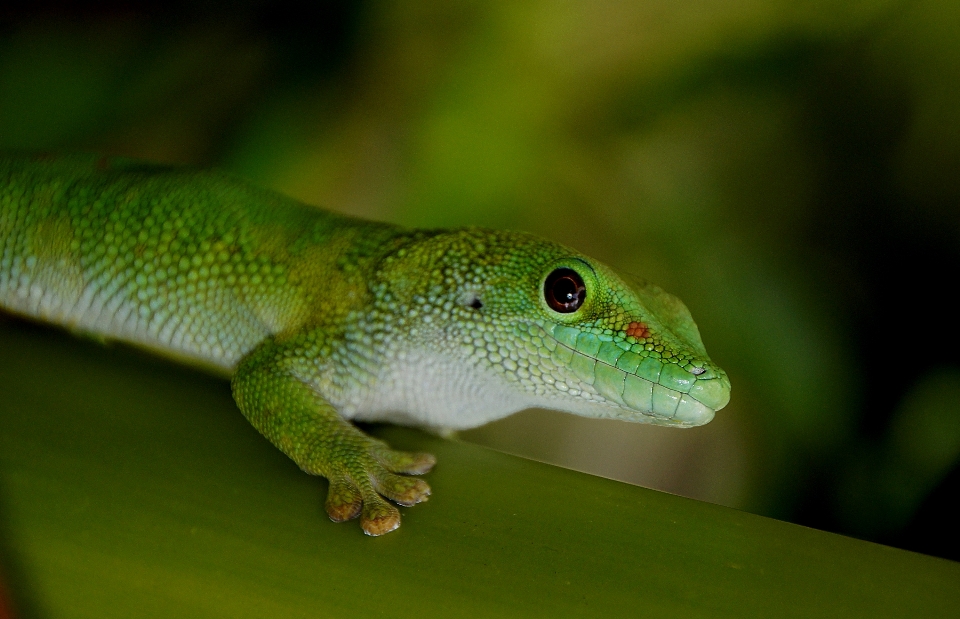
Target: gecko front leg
[305,426]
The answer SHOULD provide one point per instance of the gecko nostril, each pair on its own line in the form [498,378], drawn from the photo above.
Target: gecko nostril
[698,371]
[470,299]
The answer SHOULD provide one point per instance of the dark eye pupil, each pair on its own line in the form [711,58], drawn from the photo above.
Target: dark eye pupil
[564,291]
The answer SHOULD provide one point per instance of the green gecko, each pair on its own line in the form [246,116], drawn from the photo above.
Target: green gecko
[319,319]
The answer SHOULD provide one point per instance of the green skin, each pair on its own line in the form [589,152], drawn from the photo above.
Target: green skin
[319,319]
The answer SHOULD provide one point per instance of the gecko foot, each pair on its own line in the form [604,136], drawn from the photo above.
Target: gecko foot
[357,490]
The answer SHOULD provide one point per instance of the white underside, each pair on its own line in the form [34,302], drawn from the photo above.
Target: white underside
[427,388]
[111,315]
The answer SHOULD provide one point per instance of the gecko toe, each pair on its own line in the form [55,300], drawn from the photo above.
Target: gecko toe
[405,491]
[378,516]
[344,501]
[406,462]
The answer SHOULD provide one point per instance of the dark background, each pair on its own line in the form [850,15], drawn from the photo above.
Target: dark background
[790,172]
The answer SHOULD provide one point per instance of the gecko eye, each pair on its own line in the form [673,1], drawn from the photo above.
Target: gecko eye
[564,291]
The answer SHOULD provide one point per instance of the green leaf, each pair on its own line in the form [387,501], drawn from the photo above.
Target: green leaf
[130,487]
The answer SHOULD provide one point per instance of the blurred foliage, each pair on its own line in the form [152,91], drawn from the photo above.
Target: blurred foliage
[788,169]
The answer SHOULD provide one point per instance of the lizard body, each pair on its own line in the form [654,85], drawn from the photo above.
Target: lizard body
[319,319]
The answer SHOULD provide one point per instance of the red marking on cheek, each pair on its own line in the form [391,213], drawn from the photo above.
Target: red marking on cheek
[638,330]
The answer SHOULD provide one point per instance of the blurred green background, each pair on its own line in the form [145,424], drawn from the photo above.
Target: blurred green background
[790,169]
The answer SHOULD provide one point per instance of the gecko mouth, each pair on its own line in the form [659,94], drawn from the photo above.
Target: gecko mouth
[641,386]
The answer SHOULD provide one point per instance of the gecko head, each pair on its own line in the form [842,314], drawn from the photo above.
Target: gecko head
[632,346]
[571,334]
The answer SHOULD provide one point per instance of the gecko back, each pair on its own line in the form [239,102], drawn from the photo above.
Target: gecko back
[193,264]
